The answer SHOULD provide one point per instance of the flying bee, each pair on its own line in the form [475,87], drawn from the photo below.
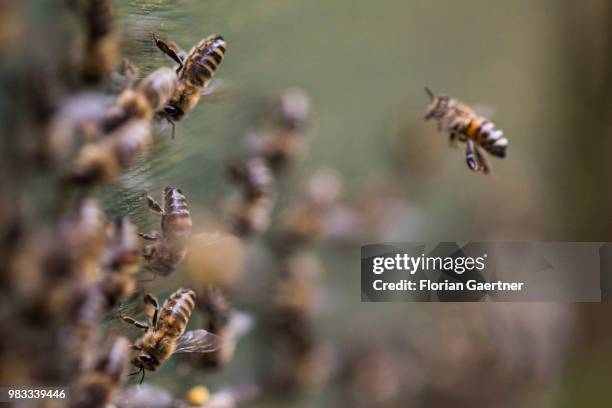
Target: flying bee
[224,322]
[121,261]
[170,247]
[258,198]
[194,73]
[98,387]
[465,125]
[164,333]
[101,52]
[283,141]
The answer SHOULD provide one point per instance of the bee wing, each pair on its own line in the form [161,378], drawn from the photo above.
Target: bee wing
[218,90]
[197,341]
[484,110]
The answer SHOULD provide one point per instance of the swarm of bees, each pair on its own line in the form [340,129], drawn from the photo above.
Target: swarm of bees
[76,272]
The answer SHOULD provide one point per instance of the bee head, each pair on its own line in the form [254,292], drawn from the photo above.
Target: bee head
[145,361]
[437,107]
[173,113]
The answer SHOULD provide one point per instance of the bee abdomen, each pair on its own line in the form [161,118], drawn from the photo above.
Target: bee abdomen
[492,139]
[177,218]
[176,312]
[205,59]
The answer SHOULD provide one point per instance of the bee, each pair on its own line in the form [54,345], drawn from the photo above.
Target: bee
[284,140]
[121,261]
[99,386]
[194,73]
[127,131]
[224,322]
[465,125]
[306,220]
[142,101]
[164,333]
[258,198]
[103,161]
[170,247]
[101,52]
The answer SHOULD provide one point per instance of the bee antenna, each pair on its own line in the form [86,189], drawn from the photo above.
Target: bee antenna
[431,94]
[143,375]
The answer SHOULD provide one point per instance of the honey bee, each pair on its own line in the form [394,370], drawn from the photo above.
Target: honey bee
[121,261]
[306,220]
[170,246]
[224,322]
[141,102]
[98,387]
[284,140]
[258,198]
[465,125]
[127,129]
[103,161]
[164,333]
[101,52]
[194,73]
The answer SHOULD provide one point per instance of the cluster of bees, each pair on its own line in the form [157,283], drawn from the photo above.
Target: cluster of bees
[70,275]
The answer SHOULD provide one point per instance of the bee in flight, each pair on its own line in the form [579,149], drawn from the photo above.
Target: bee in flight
[170,246]
[465,125]
[194,72]
[164,333]
[256,180]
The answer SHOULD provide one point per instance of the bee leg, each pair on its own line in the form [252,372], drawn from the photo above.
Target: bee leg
[140,325]
[143,376]
[484,163]
[170,49]
[153,205]
[151,300]
[149,237]
[452,140]
[173,127]
[470,158]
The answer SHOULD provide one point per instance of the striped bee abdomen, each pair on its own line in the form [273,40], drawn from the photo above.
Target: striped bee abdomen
[488,136]
[176,311]
[176,221]
[203,61]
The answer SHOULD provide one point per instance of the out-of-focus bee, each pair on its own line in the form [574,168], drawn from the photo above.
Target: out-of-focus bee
[141,102]
[170,247]
[121,261]
[258,198]
[103,162]
[284,140]
[164,333]
[465,125]
[304,363]
[101,52]
[194,73]
[305,221]
[127,128]
[224,322]
[98,387]
[78,245]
